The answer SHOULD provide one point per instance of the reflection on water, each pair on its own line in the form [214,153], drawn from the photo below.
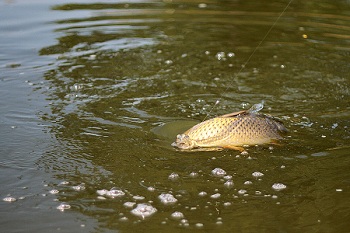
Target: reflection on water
[129,76]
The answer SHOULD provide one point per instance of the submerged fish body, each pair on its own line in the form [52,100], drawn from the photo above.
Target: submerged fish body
[231,131]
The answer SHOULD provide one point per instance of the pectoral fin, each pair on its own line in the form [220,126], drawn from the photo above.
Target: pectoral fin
[239,148]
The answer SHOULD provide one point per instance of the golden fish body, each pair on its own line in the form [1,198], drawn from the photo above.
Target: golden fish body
[231,131]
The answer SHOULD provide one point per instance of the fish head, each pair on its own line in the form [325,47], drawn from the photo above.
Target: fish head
[184,142]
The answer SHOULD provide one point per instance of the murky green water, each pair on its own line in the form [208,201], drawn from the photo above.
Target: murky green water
[93,94]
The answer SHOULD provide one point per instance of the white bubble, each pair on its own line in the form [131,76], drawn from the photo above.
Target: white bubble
[102,192]
[111,193]
[257,174]
[218,172]
[137,197]
[54,191]
[129,204]
[278,186]
[168,62]
[227,203]
[9,199]
[339,190]
[215,196]
[228,177]
[193,174]
[177,215]
[228,183]
[79,187]
[244,153]
[202,194]
[220,56]
[63,207]
[242,191]
[202,5]
[143,210]
[248,182]
[230,54]
[199,225]
[123,219]
[167,198]
[183,221]
[173,176]
[64,183]
[151,189]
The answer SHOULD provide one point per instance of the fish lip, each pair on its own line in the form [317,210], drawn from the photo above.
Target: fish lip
[183,142]
[181,146]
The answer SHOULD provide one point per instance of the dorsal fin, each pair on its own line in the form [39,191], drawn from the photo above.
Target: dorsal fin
[233,114]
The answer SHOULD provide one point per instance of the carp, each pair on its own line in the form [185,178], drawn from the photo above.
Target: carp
[232,131]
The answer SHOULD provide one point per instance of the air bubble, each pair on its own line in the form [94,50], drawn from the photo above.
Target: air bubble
[79,187]
[242,191]
[151,189]
[173,176]
[199,225]
[227,203]
[220,56]
[279,186]
[137,197]
[129,204]
[177,215]
[54,191]
[257,174]
[244,152]
[218,172]
[63,206]
[193,174]
[215,196]
[248,182]
[64,183]
[167,198]
[228,184]
[111,193]
[202,194]
[143,210]
[9,199]
[123,219]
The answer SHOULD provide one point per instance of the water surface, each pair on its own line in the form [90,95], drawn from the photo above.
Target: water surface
[93,94]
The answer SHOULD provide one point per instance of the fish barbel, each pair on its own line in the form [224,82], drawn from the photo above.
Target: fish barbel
[232,131]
